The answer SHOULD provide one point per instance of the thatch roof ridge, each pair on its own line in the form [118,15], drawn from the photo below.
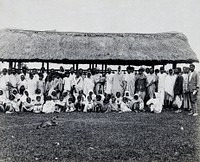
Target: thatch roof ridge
[124,48]
[92,34]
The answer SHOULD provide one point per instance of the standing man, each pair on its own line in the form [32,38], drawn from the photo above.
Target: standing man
[118,82]
[141,83]
[161,84]
[109,81]
[178,89]
[130,80]
[151,83]
[193,88]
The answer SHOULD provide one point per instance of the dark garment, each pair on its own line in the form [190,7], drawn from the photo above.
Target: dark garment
[140,83]
[79,107]
[178,86]
[98,107]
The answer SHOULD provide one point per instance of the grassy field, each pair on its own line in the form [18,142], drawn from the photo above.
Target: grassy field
[100,137]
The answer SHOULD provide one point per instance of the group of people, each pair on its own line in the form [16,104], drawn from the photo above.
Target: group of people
[91,91]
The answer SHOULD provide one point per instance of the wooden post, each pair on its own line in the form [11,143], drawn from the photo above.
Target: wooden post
[76,67]
[102,68]
[47,67]
[105,67]
[90,66]
[95,65]
[15,64]
[163,66]
[19,65]
[10,65]
[174,66]
[42,64]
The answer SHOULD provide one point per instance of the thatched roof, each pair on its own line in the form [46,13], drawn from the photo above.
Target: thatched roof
[113,48]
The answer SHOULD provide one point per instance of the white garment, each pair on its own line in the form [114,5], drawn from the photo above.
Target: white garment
[169,84]
[4,79]
[190,75]
[109,82]
[71,78]
[155,105]
[130,83]
[88,85]
[32,86]
[41,86]
[88,106]
[3,99]
[26,76]
[28,106]
[22,83]
[49,107]
[67,84]
[161,86]
[36,77]
[124,107]
[178,101]
[13,80]
[151,78]
[78,83]
[44,76]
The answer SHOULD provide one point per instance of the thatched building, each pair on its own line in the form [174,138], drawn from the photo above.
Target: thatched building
[95,48]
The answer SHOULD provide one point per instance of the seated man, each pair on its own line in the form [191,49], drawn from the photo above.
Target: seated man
[155,104]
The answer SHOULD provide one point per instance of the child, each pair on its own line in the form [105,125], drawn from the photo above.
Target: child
[124,106]
[129,98]
[127,95]
[79,105]
[155,104]
[137,104]
[60,105]
[2,100]
[22,82]
[89,104]
[107,107]
[98,104]
[66,95]
[114,104]
[49,106]
[118,99]
[16,94]
[92,95]
[54,95]
[11,105]
[70,105]
[28,105]
[23,99]
[38,104]
[100,92]
[83,96]
[21,90]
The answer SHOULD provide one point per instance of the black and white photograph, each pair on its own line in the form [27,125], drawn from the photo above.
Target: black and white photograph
[99,81]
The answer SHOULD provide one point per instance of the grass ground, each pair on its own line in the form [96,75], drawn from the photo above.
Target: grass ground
[100,137]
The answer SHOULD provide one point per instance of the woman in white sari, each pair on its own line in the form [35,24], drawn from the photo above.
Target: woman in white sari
[130,81]
[109,81]
[77,83]
[88,84]
[118,82]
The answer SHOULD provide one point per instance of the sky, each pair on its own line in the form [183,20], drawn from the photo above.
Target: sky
[135,16]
